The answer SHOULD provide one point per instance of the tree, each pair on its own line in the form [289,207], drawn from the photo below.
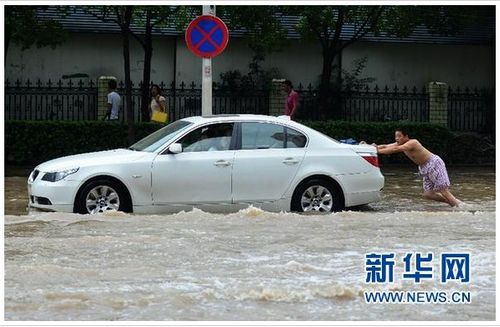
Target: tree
[260,26]
[262,31]
[23,27]
[123,19]
[325,24]
[328,26]
[151,17]
[122,16]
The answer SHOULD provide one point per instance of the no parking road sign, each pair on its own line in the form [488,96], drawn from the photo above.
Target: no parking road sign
[207,36]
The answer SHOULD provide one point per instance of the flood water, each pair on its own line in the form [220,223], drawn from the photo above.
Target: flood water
[250,265]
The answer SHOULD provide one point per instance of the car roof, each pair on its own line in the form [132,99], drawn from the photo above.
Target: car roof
[312,135]
[236,117]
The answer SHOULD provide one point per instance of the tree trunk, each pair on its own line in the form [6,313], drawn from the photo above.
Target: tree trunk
[146,77]
[128,89]
[125,26]
[324,87]
[8,32]
[6,47]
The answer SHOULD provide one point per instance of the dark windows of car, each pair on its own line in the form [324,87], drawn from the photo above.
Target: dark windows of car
[295,139]
[261,136]
[215,137]
[270,136]
[153,141]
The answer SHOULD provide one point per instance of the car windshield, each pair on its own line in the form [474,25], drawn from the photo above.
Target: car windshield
[152,142]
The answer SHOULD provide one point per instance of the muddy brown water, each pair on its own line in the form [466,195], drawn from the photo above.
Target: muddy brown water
[249,265]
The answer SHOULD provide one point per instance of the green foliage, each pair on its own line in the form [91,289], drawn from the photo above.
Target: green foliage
[256,79]
[33,142]
[261,27]
[23,27]
[451,20]
[351,79]
[184,15]
[157,15]
[471,148]
[324,23]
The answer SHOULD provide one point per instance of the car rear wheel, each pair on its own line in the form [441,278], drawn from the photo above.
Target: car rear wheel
[101,196]
[317,196]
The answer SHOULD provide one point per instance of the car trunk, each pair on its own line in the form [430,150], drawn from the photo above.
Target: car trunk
[367,152]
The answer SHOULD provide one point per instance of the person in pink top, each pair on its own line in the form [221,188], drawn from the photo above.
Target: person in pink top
[292,100]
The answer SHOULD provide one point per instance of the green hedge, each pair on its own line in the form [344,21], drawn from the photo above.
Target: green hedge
[32,142]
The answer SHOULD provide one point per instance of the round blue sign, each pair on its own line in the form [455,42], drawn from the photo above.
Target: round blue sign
[207,36]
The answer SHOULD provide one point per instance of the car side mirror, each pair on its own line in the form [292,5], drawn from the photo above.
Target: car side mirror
[175,148]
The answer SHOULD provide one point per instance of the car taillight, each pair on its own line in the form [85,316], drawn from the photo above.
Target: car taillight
[372,159]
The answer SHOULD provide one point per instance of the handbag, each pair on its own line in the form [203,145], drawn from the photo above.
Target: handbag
[159,116]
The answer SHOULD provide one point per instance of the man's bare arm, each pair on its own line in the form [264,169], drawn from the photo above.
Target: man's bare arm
[383,146]
[395,148]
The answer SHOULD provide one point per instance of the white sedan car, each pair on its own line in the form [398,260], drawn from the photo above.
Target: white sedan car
[217,163]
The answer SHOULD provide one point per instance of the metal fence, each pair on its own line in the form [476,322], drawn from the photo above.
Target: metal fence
[185,100]
[369,104]
[471,110]
[69,100]
[50,101]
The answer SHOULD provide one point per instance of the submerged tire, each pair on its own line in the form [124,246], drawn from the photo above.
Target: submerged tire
[317,195]
[103,195]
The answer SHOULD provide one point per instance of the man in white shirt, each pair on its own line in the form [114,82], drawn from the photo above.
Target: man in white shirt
[113,102]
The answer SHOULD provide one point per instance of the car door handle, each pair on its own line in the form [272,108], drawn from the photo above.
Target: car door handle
[290,161]
[222,163]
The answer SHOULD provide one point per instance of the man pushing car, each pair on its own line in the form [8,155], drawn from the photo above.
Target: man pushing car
[436,183]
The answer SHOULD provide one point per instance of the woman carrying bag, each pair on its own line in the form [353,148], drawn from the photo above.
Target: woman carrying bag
[158,105]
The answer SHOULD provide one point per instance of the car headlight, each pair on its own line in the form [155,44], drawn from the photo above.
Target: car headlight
[58,175]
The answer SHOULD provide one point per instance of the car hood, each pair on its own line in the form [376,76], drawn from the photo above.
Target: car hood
[92,159]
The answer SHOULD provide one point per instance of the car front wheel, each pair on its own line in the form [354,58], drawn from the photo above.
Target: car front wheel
[317,196]
[101,196]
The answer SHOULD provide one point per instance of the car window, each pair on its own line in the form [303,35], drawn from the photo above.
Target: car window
[295,139]
[262,136]
[154,141]
[216,137]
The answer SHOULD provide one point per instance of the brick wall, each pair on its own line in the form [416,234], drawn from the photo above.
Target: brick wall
[438,103]
[102,95]
[277,98]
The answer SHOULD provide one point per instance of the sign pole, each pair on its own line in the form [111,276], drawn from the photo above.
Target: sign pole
[206,80]
[207,36]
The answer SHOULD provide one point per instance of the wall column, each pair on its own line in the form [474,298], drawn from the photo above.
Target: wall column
[102,95]
[438,103]
[277,98]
